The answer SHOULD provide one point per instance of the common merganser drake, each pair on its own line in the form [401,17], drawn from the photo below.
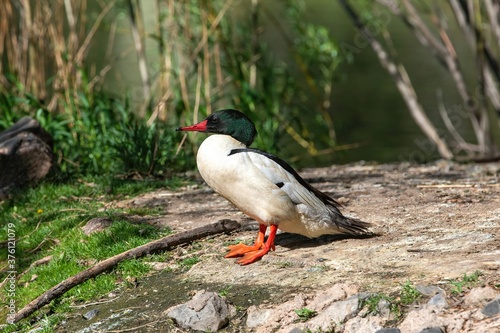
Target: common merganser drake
[263,186]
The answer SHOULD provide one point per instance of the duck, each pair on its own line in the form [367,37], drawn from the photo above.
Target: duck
[264,187]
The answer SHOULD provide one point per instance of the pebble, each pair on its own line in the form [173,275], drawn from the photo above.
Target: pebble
[432,330]
[429,290]
[90,314]
[206,311]
[338,304]
[439,301]
[389,330]
[492,308]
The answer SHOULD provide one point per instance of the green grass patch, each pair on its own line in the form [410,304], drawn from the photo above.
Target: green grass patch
[467,281]
[409,294]
[305,314]
[46,221]
[189,262]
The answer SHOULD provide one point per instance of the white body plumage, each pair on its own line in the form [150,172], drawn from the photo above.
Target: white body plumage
[264,190]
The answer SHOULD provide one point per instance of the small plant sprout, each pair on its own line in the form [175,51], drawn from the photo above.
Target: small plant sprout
[225,291]
[466,282]
[305,314]
[409,294]
[189,262]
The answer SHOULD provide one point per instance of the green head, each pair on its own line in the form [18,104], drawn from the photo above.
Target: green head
[230,122]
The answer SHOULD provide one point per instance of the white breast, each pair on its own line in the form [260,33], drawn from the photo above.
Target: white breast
[249,180]
[240,181]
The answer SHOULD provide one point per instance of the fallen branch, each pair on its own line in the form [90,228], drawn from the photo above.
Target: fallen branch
[158,245]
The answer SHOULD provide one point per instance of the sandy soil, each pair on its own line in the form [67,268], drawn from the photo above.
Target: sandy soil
[431,223]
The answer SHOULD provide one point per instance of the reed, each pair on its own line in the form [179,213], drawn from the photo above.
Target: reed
[211,56]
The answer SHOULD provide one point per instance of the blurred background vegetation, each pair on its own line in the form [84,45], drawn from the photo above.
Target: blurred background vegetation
[325,81]
[110,80]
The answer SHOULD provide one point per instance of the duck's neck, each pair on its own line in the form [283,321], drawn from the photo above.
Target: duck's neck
[243,132]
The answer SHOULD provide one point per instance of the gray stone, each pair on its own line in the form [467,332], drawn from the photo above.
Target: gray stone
[206,311]
[388,330]
[432,330]
[438,300]
[492,308]
[337,312]
[384,307]
[335,293]
[90,314]
[429,290]
[297,330]
[480,296]
[418,319]
[363,324]
[96,224]
[257,317]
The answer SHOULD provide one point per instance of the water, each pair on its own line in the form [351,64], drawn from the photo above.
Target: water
[367,108]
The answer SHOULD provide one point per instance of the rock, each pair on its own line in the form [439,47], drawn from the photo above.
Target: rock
[492,308]
[206,311]
[388,330]
[432,330]
[420,319]
[296,330]
[337,312]
[335,293]
[363,324]
[429,290]
[480,296]
[90,314]
[438,300]
[257,317]
[384,308]
[25,155]
[269,319]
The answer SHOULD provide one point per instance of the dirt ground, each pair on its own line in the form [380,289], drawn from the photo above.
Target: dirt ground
[431,223]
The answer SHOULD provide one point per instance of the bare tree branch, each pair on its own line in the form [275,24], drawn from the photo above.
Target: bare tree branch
[403,83]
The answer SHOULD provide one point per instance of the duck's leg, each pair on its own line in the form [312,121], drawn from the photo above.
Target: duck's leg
[240,249]
[253,256]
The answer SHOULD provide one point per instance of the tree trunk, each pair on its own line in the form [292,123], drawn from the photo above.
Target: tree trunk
[25,155]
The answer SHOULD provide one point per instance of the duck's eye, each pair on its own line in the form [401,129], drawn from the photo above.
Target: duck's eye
[215,120]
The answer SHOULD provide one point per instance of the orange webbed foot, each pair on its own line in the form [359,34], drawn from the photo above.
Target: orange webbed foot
[251,257]
[253,253]
[240,249]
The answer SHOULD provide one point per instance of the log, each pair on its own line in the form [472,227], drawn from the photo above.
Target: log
[25,155]
[158,245]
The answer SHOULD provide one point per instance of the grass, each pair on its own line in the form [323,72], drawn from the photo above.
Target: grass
[47,221]
[305,314]
[409,294]
[224,292]
[189,262]
[406,296]
[467,281]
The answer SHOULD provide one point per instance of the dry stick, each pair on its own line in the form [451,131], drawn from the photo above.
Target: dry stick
[158,245]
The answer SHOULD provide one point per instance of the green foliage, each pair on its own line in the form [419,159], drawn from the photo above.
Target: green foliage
[225,291]
[189,262]
[373,301]
[406,296]
[466,282]
[134,267]
[99,134]
[285,96]
[47,222]
[409,294]
[305,314]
